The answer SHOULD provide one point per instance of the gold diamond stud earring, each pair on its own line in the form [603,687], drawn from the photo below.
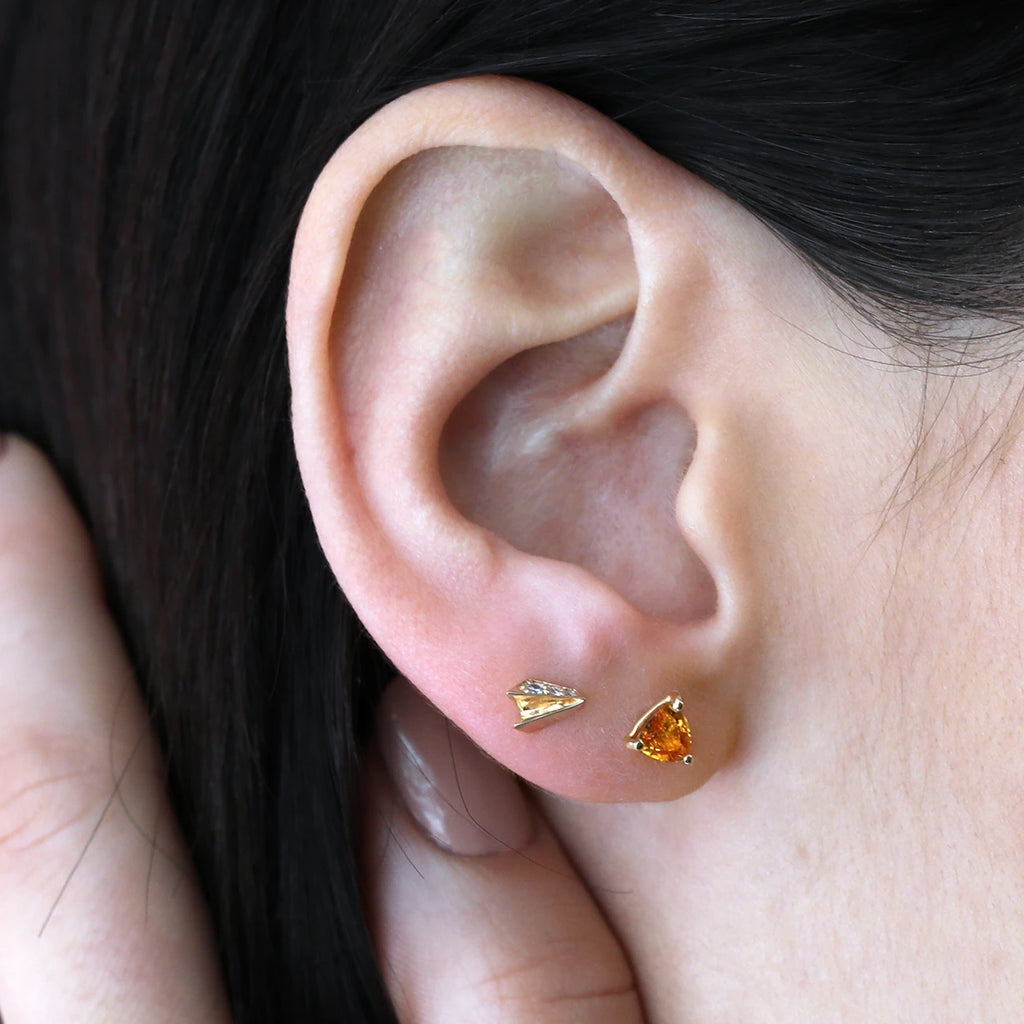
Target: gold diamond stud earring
[663,733]
[538,700]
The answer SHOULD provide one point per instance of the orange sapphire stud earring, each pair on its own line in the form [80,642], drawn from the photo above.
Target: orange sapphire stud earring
[537,700]
[663,733]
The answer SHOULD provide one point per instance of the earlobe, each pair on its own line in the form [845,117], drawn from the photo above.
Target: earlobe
[498,319]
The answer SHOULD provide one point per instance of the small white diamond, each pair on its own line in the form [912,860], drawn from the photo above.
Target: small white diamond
[539,688]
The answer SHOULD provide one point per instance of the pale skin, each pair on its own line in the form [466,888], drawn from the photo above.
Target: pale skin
[795,527]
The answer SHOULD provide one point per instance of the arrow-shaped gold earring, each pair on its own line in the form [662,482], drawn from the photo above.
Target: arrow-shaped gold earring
[538,700]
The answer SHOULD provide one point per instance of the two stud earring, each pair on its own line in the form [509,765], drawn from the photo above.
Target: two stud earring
[662,733]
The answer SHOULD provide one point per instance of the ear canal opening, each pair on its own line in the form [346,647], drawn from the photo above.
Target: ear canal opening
[525,457]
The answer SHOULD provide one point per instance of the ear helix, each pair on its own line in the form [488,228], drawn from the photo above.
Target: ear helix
[496,414]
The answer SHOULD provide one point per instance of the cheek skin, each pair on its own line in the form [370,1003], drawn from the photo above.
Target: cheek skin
[821,470]
[889,563]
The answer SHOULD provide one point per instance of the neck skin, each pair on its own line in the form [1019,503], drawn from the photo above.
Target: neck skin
[860,856]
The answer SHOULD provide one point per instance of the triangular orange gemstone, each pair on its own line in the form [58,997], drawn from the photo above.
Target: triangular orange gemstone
[663,733]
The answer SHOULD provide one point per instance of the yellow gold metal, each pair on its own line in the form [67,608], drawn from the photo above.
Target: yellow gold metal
[663,732]
[537,700]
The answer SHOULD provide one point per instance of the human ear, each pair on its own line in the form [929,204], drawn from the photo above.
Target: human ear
[517,340]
